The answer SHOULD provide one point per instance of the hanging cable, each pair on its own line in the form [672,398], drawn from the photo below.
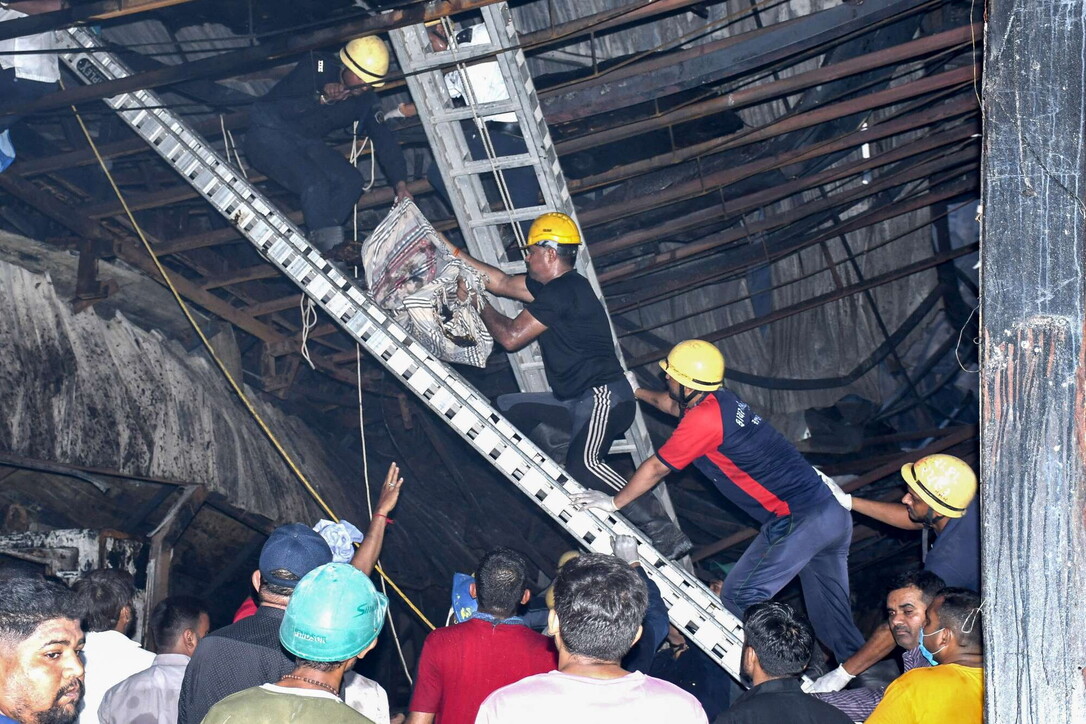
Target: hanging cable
[234,385]
[369,505]
[229,144]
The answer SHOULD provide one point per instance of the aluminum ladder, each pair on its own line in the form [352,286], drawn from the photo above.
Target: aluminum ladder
[692,607]
[425,71]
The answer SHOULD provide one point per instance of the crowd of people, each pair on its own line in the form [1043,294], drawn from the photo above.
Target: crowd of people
[66,654]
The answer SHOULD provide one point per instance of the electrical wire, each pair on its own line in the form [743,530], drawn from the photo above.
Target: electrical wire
[222,366]
[369,506]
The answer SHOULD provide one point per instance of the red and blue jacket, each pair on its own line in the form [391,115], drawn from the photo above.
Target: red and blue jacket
[752,464]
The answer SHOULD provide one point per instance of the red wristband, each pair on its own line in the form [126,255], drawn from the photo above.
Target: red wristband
[388,520]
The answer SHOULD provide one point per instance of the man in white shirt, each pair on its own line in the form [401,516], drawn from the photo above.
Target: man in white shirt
[26,76]
[150,697]
[599,603]
[109,655]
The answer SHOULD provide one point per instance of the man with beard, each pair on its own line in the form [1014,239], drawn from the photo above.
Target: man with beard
[776,648]
[106,596]
[907,601]
[941,500]
[41,674]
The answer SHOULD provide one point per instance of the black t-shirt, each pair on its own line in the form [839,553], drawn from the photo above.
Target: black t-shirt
[578,350]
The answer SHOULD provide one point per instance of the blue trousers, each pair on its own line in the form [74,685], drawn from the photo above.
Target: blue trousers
[327,185]
[814,545]
[14,89]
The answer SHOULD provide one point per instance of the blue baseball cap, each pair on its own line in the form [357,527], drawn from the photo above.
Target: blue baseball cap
[293,547]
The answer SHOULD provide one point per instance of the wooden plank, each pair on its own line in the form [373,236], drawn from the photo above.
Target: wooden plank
[163,539]
[1033,363]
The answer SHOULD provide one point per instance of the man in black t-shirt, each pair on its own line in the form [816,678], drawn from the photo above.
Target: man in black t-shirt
[285,141]
[589,395]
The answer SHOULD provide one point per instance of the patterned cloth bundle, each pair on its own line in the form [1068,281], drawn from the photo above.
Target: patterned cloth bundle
[413,276]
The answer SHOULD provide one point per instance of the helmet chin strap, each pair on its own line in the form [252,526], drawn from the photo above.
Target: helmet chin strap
[684,398]
[930,518]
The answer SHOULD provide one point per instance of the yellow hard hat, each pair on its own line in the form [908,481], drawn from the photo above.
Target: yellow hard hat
[555,227]
[367,58]
[696,364]
[944,482]
[562,560]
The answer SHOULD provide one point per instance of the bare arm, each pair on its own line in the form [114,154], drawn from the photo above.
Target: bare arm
[877,648]
[365,558]
[419,717]
[497,281]
[647,475]
[660,400]
[895,514]
[512,334]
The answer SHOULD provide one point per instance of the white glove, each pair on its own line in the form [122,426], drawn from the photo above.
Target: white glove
[834,681]
[634,384]
[396,112]
[625,548]
[593,499]
[846,502]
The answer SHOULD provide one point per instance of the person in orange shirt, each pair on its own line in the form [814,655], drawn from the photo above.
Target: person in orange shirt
[953,689]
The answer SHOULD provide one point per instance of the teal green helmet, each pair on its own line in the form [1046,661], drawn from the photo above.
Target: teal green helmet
[334,614]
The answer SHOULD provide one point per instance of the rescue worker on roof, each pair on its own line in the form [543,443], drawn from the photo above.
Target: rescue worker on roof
[941,498]
[803,532]
[285,141]
[590,396]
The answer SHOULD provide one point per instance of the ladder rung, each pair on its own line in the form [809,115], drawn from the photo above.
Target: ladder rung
[496,218]
[447,59]
[513,267]
[502,162]
[622,447]
[483,110]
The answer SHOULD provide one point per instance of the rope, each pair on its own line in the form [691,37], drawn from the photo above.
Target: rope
[369,505]
[229,143]
[222,366]
[308,310]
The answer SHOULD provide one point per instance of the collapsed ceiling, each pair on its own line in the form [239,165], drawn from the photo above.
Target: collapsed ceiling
[795,180]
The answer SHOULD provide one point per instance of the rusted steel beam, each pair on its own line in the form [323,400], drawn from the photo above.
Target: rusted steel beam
[756,200]
[128,147]
[79,14]
[817,301]
[599,22]
[775,89]
[944,443]
[241,61]
[239,276]
[711,62]
[883,213]
[700,218]
[845,141]
[834,111]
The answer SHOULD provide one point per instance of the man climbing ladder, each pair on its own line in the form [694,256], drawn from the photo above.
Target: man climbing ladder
[589,395]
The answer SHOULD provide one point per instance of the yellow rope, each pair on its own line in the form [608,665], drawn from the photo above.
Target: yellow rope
[222,367]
